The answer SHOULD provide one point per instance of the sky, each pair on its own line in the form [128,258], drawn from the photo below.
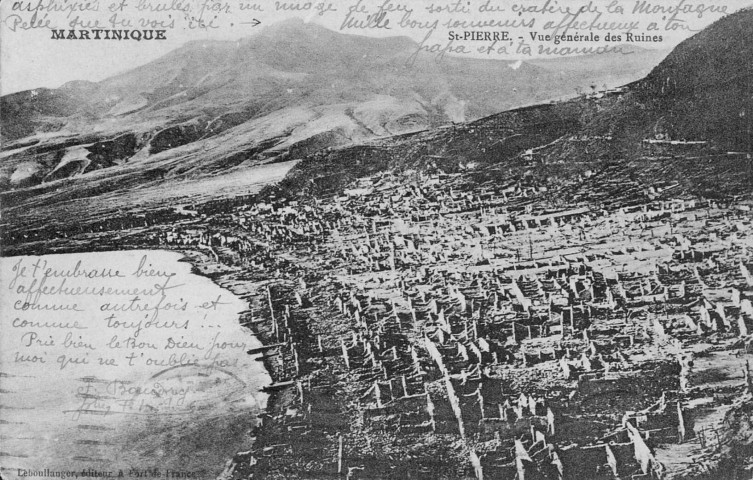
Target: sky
[29,58]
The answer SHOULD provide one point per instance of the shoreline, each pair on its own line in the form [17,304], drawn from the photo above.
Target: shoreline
[367,386]
[203,264]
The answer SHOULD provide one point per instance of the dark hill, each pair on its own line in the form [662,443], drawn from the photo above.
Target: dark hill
[688,122]
[704,88]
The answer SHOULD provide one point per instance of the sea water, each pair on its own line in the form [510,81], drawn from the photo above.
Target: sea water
[122,363]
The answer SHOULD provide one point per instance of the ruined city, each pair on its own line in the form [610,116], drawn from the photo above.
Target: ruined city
[563,291]
[434,329]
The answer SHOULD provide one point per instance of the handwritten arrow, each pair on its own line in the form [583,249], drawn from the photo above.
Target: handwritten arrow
[253,22]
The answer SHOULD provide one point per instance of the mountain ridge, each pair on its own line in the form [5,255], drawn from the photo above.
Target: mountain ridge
[684,108]
[204,88]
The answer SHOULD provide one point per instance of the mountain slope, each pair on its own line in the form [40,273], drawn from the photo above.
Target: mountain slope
[705,86]
[182,149]
[370,88]
[687,123]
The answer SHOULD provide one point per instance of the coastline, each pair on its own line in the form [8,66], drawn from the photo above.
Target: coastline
[203,264]
[233,429]
[320,403]
[295,440]
[239,467]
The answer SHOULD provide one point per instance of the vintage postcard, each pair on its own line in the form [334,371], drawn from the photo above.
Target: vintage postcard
[376,239]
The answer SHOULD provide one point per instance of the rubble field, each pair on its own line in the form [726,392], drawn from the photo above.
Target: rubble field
[433,327]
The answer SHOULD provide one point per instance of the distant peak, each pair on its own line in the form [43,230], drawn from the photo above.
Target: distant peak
[77,85]
[293,24]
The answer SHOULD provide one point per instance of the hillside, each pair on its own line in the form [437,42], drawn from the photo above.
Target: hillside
[280,94]
[641,133]
[689,119]
[704,89]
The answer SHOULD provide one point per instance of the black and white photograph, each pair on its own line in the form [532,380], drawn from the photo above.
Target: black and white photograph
[376,239]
